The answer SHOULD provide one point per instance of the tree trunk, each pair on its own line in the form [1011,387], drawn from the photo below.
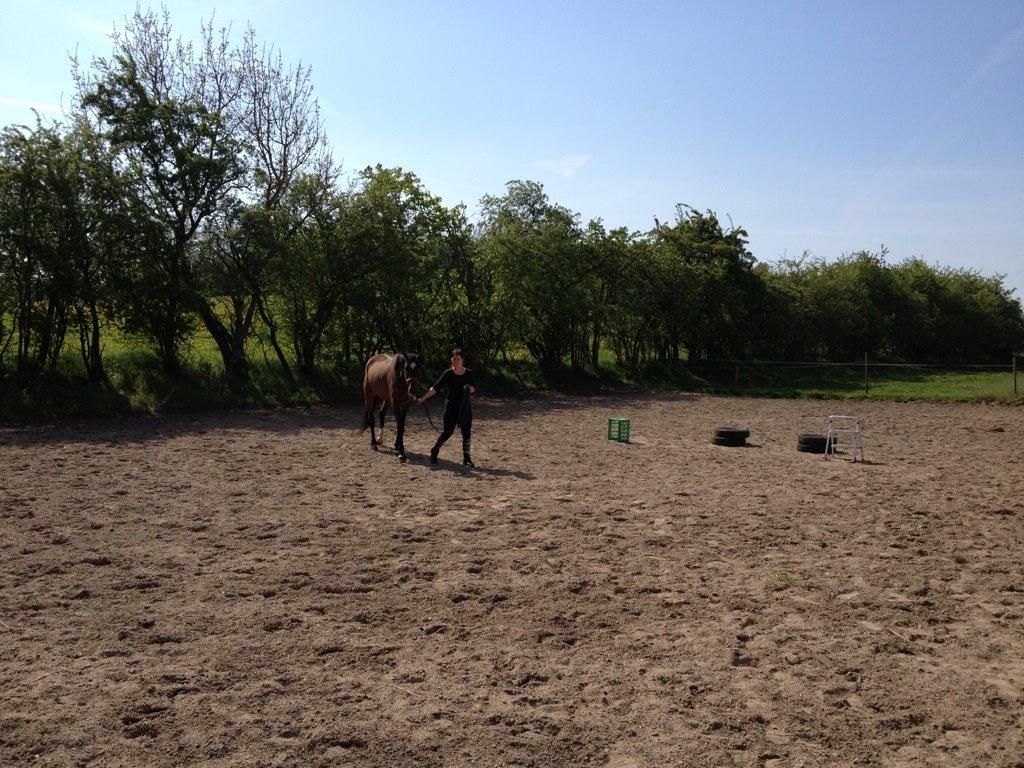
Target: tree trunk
[89,338]
[167,349]
[272,330]
[234,358]
[346,338]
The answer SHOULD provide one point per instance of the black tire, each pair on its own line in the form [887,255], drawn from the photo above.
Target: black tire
[804,448]
[732,433]
[730,442]
[812,440]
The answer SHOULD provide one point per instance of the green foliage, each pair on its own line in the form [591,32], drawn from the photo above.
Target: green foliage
[402,236]
[907,311]
[186,239]
[708,286]
[39,285]
[536,250]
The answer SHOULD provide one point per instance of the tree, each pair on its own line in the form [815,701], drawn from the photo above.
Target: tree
[406,239]
[536,247]
[313,266]
[633,322]
[710,273]
[281,134]
[171,114]
[474,303]
[34,246]
[610,254]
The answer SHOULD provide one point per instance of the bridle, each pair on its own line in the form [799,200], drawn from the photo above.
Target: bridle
[411,384]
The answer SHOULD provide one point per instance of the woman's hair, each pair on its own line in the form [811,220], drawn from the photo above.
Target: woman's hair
[457,352]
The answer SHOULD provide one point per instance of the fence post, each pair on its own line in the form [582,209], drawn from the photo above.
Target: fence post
[865,373]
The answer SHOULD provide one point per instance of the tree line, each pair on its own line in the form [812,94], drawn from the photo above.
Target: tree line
[193,187]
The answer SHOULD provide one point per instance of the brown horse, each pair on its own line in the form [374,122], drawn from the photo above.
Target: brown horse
[393,381]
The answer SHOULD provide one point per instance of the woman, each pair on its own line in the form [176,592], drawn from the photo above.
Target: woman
[458,383]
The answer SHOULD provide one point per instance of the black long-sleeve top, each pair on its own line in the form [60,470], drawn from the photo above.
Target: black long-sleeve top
[454,388]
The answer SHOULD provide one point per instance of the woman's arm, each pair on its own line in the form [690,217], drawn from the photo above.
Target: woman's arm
[433,390]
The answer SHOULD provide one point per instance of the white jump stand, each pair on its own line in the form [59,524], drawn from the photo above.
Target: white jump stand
[844,432]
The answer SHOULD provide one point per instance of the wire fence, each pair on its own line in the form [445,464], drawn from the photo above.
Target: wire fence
[869,377]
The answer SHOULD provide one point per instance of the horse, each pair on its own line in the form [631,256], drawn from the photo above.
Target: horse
[393,381]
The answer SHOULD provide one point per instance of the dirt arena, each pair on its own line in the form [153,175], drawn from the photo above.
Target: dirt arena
[260,589]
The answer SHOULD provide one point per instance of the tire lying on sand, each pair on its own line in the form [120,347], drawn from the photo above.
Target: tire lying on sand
[732,433]
[729,441]
[811,443]
[810,448]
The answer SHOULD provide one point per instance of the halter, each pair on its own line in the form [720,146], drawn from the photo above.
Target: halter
[407,380]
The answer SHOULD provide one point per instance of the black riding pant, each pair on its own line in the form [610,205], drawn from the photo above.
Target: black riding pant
[451,419]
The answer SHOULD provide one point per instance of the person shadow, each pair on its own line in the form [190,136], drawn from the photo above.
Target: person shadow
[445,465]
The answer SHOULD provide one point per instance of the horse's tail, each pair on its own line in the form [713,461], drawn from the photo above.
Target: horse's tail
[368,398]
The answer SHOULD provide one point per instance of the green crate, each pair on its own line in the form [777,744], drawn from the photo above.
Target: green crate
[618,429]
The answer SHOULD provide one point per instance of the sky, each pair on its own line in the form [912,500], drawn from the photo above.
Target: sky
[816,126]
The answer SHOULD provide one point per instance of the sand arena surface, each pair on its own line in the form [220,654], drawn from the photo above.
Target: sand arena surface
[260,589]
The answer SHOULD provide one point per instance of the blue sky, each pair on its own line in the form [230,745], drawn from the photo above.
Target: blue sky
[820,126]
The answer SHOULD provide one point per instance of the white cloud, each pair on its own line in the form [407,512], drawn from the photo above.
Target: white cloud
[567,166]
[37,105]
[1007,49]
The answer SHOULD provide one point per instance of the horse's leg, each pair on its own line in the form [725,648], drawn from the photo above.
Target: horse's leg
[400,441]
[369,415]
[383,410]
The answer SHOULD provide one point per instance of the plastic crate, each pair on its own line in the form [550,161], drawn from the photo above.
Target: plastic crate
[618,429]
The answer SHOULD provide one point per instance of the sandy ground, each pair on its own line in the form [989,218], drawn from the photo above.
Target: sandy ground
[260,589]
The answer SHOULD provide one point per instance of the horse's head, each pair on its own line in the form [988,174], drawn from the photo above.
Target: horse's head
[413,372]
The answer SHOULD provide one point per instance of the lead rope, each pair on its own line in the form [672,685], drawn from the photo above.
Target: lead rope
[462,411]
[426,409]
[464,408]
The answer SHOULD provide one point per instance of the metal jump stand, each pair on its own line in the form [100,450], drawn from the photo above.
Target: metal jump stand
[844,433]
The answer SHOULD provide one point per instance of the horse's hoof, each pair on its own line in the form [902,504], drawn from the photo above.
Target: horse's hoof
[401,457]
[374,446]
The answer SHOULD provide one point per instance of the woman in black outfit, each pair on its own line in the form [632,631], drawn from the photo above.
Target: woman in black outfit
[459,384]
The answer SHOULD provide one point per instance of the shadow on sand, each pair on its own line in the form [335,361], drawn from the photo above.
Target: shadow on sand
[445,465]
[343,418]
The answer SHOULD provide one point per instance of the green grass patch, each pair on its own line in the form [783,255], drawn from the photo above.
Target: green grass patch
[839,382]
[138,384]
[784,578]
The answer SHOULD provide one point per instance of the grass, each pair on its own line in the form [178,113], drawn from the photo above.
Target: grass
[959,559]
[847,383]
[136,382]
[754,379]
